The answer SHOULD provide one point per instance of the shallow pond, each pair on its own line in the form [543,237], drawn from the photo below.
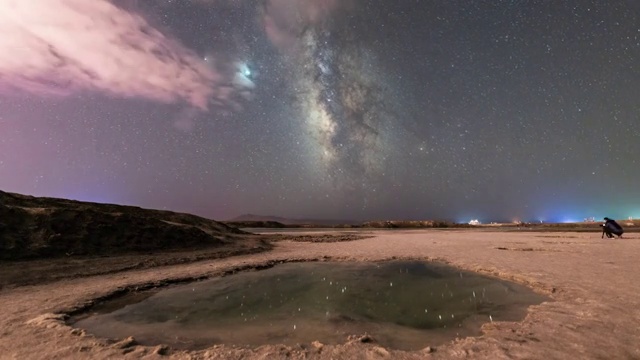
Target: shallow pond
[402,304]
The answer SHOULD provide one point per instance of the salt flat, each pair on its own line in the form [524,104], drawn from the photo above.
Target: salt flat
[593,283]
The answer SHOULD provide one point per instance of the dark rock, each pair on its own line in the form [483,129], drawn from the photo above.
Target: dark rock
[36,227]
[360,338]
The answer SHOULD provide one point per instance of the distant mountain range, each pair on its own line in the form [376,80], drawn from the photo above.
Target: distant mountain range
[262,221]
[287,221]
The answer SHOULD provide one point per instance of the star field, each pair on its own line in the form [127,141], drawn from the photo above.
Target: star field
[363,109]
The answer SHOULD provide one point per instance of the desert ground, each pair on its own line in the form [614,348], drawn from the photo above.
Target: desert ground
[593,283]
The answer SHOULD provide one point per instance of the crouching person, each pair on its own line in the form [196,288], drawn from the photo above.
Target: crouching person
[610,228]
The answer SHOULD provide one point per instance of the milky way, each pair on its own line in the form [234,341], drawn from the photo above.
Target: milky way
[342,104]
[360,109]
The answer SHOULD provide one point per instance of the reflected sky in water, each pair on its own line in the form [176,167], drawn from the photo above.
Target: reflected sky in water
[404,305]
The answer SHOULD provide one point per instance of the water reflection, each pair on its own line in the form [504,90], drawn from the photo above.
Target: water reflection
[403,305]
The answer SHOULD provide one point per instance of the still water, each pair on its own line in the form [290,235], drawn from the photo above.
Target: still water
[402,304]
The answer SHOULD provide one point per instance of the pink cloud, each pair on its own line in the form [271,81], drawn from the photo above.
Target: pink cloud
[284,20]
[58,47]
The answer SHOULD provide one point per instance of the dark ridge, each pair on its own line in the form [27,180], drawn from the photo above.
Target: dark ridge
[255,224]
[407,224]
[292,222]
[40,227]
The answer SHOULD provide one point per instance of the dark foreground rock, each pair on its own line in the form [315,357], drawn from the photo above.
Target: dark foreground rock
[36,227]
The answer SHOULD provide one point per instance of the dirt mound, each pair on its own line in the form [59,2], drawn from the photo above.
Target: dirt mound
[35,227]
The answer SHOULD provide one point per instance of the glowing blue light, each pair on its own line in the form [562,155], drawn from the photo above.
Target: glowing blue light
[569,221]
[244,77]
[243,69]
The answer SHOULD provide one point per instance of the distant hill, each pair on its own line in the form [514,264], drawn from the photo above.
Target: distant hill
[405,224]
[255,224]
[38,227]
[287,221]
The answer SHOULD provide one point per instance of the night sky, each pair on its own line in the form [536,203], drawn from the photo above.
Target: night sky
[366,109]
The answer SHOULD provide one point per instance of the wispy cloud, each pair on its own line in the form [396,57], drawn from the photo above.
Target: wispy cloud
[285,20]
[58,47]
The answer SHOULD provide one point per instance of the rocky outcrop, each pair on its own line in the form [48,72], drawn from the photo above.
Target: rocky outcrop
[37,227]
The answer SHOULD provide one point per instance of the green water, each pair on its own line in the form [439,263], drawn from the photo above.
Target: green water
[402,305]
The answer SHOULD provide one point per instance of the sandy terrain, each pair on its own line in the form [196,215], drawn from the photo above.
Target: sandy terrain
[595,285]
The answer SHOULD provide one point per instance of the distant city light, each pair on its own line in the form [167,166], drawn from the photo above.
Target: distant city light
[569,221]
